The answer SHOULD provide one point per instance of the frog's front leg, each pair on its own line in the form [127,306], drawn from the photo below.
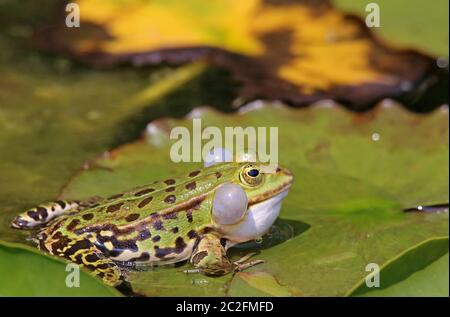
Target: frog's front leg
[84,253]
[43,213]
[210,257]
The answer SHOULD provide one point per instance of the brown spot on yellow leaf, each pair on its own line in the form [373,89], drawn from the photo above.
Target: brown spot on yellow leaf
[296,51]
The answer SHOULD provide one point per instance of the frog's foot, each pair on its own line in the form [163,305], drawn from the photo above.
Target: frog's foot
[42,214]
[241,264]
[210,258]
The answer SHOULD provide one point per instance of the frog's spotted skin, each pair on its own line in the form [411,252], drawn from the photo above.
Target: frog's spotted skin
[164,222]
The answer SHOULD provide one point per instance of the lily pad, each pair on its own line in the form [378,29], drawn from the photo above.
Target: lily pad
[26,272]
[408,23]
[355,173]
[257,284]
[420,271]
[264,43]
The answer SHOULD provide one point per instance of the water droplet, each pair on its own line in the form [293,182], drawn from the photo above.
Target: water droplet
[387,103]
[442,62]
[376,137]
[199,282]
[406,85]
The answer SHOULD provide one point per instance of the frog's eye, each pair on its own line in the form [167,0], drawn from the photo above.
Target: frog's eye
[251,175]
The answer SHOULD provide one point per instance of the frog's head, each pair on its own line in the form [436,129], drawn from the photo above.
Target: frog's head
[245,207]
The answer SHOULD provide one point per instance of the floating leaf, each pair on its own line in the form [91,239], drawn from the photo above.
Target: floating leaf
[299,52]
[420,271]
[354,175]
[25,272]
[256,284]
[412,23]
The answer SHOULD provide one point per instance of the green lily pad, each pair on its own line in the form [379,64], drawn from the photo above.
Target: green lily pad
[355,173]
[420,271]
[408,23]
[257,284]
[26,272]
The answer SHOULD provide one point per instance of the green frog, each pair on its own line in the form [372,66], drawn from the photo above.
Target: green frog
[196,217]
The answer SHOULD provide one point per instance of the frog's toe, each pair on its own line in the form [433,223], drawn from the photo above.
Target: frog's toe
[112,278]
[108,272]
[20,223]
[239,266]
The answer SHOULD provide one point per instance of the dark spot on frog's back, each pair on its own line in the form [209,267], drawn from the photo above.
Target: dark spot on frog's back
[143,192]
[158,225]
[194,173]
[132,217]
[218,175]
[169,181]
[179,245]
[144,235]
[71,226]
[170,215]
[170,189]
[191,186]
[170,199]
[156,238]
[87,216]
[192,234]
[189,215]
[114,208]
[145,202]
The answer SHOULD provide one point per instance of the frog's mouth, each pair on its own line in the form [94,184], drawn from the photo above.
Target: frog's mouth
[259,218]
[268,195]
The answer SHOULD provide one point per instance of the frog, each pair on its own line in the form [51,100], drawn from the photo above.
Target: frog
[195,217]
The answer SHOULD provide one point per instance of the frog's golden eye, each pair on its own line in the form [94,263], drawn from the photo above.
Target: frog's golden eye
[251,175]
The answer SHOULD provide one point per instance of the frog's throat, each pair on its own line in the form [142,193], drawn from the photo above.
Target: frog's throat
[257,221]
